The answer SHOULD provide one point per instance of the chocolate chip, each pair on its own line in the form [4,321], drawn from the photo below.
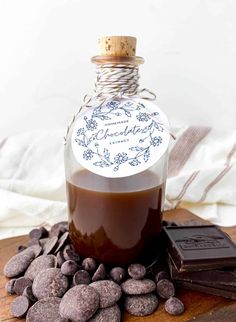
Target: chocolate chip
[19,263]
[45,310]
[60,259]
[100,273]
[137,287]
[62,241]
[58,229]
[29,293]
[117,274]
[69,267]
[161,275]
[50,245]
[174,306]
[38,233]
[81,277]
[79,303]
[141,305]
[109,292]
[89,264]
[165,289]
[20,248]
[37,249]
[136,271]
[20,284]
[39,264]
[109,314]
[70,254]
[33,242]
[50,282]
[9,287]
[43,241]
[20,306]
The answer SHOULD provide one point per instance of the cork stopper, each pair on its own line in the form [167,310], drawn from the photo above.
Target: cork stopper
[119,46]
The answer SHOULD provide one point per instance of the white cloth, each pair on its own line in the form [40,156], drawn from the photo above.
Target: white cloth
[32,180]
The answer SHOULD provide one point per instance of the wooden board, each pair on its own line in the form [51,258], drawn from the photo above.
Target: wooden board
[200,307]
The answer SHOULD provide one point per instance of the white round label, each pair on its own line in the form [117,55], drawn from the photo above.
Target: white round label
[120,138]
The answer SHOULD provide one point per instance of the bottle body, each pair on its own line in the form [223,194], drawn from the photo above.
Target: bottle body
[115,220]
[116,161]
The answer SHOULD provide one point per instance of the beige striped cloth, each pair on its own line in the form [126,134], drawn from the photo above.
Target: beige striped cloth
[201,177]
[202,173]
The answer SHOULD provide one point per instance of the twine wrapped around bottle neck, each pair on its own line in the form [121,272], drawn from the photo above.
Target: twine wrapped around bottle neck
[117,80]
[113,81]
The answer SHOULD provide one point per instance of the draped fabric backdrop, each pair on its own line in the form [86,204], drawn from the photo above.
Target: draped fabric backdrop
[201,177]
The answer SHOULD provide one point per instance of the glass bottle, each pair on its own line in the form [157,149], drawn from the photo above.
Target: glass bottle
[116,162]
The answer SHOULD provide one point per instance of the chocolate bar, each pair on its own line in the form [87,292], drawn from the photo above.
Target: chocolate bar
[215,282]
[196,248]
[208,289]
[221,278]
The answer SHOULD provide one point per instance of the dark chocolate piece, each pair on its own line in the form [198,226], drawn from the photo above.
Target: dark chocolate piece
[50,282]
[62,241]
[19,263]
[81,277]
[219,280]
[138,287]
[161,275]
[45,310]
[109,292]
[50,245]
[136,271]
[141,305]
[118,274]
[174,306]
[200,248]
[20,284]
[20,306]
[69,268]
[58,229]
[79,303]
[207,289]
[109,314]
[38,233]
[89,264]
[70,254]
[100,273]
[29,293]
[165,289]
[39,264]
[221,277]
[60,259]
[9,287]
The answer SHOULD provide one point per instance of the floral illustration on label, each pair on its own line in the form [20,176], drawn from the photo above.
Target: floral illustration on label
[121,137]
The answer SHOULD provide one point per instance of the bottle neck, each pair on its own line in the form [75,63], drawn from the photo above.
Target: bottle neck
[116,79]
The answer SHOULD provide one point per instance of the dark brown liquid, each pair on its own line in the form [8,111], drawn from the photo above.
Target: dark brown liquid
[115,227]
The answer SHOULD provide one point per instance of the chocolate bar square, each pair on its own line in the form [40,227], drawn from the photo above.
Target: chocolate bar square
[195,248]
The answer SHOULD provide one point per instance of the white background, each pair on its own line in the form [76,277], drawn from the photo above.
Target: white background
[45,49]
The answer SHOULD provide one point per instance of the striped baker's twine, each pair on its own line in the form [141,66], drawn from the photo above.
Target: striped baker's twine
[117,79]
[113,81]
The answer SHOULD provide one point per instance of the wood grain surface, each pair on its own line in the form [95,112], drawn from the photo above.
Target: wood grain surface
[200,307]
